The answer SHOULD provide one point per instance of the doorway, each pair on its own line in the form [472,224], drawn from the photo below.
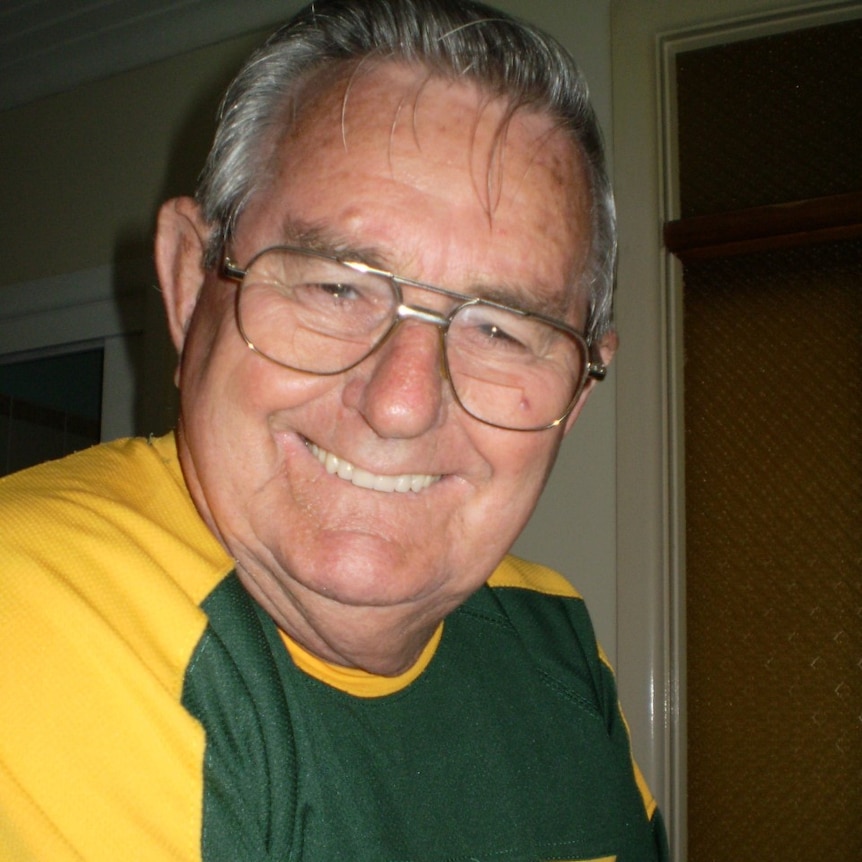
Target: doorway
[651,552]
[769,131]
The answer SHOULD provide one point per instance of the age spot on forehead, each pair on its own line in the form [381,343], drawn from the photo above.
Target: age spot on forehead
[394,107]
[504,150]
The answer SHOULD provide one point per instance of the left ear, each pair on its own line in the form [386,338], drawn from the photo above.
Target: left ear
[607,346]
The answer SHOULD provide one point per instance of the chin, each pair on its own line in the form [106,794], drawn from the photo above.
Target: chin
[359,569]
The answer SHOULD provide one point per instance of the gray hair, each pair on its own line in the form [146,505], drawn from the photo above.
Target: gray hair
[451,38]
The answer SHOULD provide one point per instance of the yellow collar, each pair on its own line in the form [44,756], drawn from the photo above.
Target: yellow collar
[354,681]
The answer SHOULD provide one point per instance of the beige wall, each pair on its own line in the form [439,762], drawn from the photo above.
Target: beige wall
[84,171]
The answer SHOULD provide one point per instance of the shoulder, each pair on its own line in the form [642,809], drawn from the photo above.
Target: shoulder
[104,565]
[546,624]
[542,606]
[516,573]
[94,480]
[91,483]
[104,546]
[107,507]
[552,622]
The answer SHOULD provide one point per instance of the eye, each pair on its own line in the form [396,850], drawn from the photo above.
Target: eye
[495,332]
[358,305]
[329,294]
[490,329]
[341,291]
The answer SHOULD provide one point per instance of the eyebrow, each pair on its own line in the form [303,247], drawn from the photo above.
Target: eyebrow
[323,239]
[555,308]
[320,237]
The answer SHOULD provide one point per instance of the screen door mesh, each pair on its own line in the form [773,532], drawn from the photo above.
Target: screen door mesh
[770,120]
[773,436]
[773,413]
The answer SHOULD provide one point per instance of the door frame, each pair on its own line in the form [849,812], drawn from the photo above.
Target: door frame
[646,38]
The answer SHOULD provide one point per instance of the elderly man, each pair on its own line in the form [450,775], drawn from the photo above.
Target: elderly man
[291,631]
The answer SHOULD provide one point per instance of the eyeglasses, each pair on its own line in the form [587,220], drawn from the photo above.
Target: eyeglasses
[314,313]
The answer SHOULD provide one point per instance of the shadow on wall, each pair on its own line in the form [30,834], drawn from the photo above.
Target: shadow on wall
[148,350]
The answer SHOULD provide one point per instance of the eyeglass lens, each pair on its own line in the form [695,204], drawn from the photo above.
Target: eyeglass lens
[317,315]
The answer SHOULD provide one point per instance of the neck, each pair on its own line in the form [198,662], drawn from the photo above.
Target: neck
[385,641]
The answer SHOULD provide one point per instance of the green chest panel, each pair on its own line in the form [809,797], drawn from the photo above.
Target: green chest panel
[508,747]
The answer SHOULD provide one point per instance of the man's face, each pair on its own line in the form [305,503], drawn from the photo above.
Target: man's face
[410,171]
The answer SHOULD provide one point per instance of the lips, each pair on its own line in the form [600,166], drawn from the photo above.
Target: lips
[366,479]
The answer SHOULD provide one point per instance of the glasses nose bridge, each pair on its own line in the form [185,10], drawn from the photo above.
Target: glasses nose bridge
[424,315]
[405,312]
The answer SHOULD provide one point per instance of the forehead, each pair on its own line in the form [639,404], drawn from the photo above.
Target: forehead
[429,177]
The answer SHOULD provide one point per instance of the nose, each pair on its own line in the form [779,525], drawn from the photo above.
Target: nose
[400,389]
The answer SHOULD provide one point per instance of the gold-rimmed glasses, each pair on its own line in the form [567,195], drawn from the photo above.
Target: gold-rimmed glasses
[317,314]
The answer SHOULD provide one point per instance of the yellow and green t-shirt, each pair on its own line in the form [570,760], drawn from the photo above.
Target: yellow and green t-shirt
[150,710]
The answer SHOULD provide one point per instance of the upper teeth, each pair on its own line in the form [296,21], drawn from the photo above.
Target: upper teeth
[366,479]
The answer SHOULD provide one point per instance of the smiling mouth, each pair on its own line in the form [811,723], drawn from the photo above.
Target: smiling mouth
[366,479]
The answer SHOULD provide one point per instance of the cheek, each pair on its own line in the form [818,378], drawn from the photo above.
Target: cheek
[487,529]
[519,467]
[229,383]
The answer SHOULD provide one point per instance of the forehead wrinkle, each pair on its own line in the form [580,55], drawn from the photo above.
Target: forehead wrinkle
[486,194]
[411,95]
[393,128]
[488,181]
[567,171]
[418,92]
[496,169]
[300,106]
[483,191]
